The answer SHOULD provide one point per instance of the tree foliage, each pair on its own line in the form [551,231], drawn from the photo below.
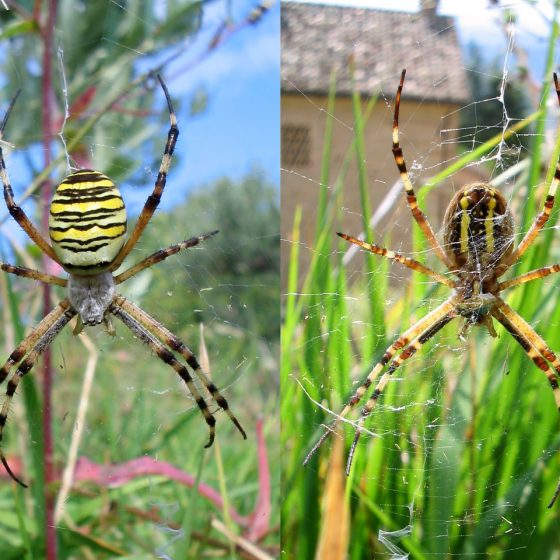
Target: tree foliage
[236,272]
[99,50]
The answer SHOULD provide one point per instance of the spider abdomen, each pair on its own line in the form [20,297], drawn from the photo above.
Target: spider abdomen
[478,228]
[87,222]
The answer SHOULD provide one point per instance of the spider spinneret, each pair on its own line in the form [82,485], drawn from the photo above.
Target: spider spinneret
[478,249]
[87,227]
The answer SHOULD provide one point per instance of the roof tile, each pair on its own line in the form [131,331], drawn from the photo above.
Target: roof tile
[317,39]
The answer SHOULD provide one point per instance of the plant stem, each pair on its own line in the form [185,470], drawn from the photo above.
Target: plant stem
[47,110]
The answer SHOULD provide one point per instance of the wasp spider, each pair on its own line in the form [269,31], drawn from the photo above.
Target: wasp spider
[478,235]
[87,227]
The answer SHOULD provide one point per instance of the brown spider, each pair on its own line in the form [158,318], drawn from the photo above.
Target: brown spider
[478,235]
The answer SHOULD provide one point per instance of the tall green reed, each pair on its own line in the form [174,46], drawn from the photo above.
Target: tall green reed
[463,459]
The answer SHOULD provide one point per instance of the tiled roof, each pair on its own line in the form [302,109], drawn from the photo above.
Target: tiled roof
[317,39]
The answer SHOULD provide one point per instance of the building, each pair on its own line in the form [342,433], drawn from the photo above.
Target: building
[318,40]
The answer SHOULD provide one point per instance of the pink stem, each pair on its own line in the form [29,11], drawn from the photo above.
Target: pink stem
[47,111]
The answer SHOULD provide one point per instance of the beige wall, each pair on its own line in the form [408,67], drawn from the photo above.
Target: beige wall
[421,124]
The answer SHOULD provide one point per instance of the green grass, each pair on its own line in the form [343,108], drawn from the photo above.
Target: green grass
[464,456]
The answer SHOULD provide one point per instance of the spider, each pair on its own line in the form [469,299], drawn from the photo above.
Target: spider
[478,234]
[87,227]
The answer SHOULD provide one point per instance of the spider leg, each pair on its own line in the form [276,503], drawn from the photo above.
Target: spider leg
[409,351]
[161,255]
[533,344]
[16,212]
[417,213]
[529,276]
[447,308]
[31,339]
[535,347]
[153,200]
[541,218]
[398,257]
[166,356]
[28,352]
[173,342]
[33,274]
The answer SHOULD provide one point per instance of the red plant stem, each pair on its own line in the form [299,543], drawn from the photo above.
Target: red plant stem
[47,111]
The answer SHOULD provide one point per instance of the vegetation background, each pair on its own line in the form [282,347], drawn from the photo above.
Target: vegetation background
[143,485]
[462,455]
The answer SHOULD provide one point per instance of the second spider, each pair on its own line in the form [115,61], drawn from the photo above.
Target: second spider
[478,248]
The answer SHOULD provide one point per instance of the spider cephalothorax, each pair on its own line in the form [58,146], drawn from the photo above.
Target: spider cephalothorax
[478,249]
[87,229]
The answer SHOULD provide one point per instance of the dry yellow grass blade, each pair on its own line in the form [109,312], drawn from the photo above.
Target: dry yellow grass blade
[335,528]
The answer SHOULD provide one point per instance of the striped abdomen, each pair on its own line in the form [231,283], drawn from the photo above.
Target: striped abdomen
[87,222]
[478,228]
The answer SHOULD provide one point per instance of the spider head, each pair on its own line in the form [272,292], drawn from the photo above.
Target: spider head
[87,222]
[91,296]
[478,230]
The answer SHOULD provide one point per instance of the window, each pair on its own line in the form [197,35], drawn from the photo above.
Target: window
[296,150]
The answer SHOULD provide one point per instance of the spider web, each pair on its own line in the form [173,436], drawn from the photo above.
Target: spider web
[138,407]
[447,462]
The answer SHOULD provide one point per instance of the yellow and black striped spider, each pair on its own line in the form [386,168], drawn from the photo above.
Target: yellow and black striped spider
[87,227]
[478,235]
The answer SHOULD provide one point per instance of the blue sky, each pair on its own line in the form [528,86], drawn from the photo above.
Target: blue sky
[240,128]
